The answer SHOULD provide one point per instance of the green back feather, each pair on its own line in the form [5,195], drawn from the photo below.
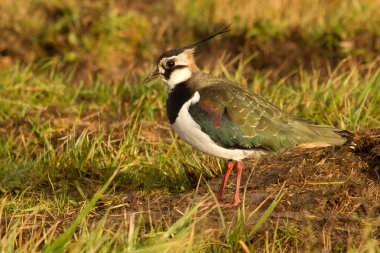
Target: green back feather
[237,118]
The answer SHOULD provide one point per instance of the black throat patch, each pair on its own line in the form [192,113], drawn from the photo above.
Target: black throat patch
[175,100]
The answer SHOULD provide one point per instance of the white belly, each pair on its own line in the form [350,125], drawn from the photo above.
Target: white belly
[191,133]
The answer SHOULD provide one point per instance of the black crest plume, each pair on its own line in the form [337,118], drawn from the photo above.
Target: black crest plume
[209,37]
[180,50]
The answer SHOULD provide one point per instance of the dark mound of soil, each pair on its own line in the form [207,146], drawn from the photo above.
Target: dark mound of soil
[334,193]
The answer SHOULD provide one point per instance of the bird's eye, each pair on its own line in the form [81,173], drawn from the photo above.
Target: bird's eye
[170,64]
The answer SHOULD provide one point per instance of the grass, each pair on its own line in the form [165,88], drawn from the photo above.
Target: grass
[74,115]
[52,169]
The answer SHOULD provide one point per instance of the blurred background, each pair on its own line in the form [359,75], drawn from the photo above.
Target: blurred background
[117,39]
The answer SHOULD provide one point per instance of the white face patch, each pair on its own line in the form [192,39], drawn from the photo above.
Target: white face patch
[178,76]
[161,70]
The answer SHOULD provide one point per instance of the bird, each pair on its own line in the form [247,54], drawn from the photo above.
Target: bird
[226,120]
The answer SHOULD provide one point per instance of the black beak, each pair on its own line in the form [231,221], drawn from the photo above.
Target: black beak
[152,76]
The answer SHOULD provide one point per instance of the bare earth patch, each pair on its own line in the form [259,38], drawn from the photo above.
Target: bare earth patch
[329,194]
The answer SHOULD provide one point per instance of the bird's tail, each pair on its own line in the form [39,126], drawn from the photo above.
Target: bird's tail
[350,138]
[333,136]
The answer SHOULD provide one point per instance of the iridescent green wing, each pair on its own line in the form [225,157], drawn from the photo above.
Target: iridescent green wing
[234,117]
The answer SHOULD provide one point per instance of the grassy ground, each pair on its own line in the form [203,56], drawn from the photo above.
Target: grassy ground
[89,163]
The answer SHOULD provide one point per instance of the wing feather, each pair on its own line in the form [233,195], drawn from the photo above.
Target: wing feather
[235,117]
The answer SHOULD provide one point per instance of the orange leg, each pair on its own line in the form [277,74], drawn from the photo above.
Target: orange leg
[239,168]
[230,166]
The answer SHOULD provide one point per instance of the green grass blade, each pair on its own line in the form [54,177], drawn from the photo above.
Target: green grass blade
[59,244]
[267,213]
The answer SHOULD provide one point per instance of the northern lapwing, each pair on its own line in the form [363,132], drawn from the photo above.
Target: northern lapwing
[223,119]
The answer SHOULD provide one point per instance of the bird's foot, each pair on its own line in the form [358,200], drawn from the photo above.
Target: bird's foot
[212,203]
[233,204]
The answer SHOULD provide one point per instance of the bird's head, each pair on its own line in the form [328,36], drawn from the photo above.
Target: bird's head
[178,65]
[175,66]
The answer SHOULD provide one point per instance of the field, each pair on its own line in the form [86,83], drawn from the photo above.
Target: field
[89,162]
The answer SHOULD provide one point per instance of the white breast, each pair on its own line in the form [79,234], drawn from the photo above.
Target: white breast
[191,132]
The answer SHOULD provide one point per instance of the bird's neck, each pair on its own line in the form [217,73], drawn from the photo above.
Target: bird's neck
[176,98]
